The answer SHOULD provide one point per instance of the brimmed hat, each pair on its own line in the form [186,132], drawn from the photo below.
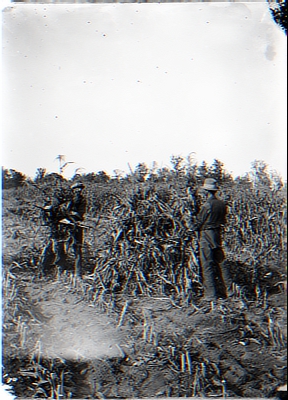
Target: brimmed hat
[210,184]
[77,185]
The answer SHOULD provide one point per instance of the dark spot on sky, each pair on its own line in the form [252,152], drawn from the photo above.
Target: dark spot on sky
[56,116]
[84,81]
[270,53]
[88,22]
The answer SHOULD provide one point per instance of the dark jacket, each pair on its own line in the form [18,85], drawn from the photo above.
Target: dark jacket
[76,208]
[212,215]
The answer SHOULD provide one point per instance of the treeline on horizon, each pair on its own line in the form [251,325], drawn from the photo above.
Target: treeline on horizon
[181,168]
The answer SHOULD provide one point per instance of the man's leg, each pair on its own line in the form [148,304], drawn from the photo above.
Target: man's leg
[227,276]
[208,271]
[59,251]
[221,277]
[77,247]
[46,258]
[220,283]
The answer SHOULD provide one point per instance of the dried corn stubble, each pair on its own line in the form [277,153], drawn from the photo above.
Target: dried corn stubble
[140,246]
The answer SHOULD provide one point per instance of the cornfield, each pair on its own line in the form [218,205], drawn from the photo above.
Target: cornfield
[147,246]
[141,268]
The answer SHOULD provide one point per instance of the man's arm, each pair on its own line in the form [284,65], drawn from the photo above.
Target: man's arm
[202,217]
[78,211]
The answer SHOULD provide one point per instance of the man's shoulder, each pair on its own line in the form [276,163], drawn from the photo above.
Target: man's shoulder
[218,202]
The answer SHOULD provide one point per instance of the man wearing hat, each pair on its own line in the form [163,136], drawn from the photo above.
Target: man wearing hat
[76,209]
[63,217]
[210,220]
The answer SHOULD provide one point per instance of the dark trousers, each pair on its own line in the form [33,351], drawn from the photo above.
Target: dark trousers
[78,239]
[215,277]
[54,253]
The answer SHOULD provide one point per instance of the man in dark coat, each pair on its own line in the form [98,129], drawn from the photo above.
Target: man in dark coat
[54,253]
[64,217]
[210,220]
[76,209]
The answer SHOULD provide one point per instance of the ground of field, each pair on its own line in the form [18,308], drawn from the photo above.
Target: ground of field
[140,346]
[119,332]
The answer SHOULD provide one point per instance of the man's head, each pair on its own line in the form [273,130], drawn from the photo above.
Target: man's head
[210,185]
[78,187]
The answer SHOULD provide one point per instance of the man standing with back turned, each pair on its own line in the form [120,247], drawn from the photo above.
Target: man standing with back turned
[210,220]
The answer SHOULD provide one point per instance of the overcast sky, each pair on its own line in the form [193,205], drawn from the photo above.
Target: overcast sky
[111,84]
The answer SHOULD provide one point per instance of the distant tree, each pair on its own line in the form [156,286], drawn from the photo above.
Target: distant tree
[278,10]
[118,174]
[153,172]
[203,171]
[191,168]
[12,178]
[260,174]
[244,181]
[92,177]
[277,183]
[178,164]
[164,175]
[103,176]
[54,180]
[217,171]
[191,176]
[141,172]
[40,175]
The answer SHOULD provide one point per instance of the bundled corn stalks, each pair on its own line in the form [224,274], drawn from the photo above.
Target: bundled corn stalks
[148,249]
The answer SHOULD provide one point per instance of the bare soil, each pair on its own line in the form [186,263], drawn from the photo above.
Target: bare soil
[150,346]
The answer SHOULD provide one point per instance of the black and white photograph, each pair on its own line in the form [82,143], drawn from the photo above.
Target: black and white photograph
[144,199]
